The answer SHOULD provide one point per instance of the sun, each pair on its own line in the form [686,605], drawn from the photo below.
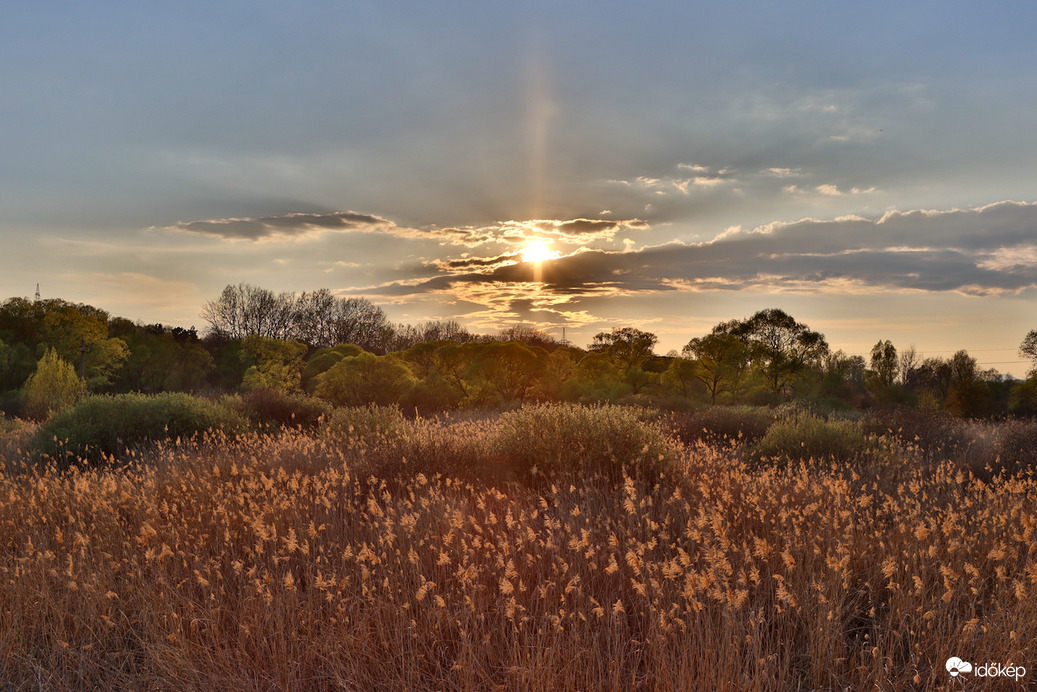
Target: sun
[538,250]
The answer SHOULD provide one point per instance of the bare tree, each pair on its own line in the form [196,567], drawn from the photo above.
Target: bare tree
[908,363]
[316,318]
[361,323]
[319,318]
[528,334]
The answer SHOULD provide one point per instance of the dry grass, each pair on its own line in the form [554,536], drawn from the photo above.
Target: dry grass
[278,563]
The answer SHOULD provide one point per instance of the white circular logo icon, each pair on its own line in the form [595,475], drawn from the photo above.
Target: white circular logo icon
[955,666]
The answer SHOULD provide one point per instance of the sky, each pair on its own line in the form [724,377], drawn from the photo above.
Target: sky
[870,168]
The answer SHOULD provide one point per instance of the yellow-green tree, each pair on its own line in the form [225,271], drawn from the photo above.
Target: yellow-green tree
[276,364]
[53,387]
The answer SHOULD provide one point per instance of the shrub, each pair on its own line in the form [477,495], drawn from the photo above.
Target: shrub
[570,440]
[267,408]
[719,423]
[100,426]
[322,360]
[15,436]
[1016,446]
[808,438]
[932,432]
[435,448]
[368,423]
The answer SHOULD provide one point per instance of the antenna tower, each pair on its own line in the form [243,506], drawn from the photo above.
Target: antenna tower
[37,293]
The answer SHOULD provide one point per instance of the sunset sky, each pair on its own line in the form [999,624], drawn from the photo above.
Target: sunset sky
[871,168]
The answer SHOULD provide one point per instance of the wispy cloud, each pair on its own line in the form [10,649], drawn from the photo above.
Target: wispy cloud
[284,227]
[705,178]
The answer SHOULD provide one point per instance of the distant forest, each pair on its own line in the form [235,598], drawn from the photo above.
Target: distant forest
[347,352]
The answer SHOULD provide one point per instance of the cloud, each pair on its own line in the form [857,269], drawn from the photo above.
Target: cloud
[468,262]
[580,228]
[966,251]
[283,227]
[707,179]
[834,191]
[570,231]
[294,226]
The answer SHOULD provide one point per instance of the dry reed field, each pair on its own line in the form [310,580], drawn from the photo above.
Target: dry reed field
[285,562]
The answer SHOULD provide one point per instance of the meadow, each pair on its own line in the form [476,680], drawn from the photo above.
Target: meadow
[547,548]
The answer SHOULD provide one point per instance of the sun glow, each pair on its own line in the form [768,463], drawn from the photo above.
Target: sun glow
[539,250]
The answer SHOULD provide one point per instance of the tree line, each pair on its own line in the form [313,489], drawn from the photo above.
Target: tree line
[345,350]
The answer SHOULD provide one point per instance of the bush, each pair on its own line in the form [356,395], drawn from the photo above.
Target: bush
[932,432]
[717,424]
[15,437]
[1016,446]
[808,438]
[100,426]
[269,408]
[432,447]
[322,360]
[570,440]
[368,424]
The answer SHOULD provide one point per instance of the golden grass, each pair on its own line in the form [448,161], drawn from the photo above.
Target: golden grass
[276,563]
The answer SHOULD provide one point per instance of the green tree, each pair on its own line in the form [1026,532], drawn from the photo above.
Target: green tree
[596,378]
[1022,400]
[628,346]
[1028,349]
[53,387]
[453,362]
[322,360]
[721,360]
[682,376]
[564,361]
[508,372]
[366,379]
[68,327]
[782,350]
[844,377]
[884,362]
[276,364]
[968,395]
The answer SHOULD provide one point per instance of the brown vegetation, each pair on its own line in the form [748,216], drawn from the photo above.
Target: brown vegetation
[279,562]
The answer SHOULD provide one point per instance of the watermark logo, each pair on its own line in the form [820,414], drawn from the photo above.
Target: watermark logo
[955,666]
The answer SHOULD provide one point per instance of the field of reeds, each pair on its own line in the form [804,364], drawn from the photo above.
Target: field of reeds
[551,548]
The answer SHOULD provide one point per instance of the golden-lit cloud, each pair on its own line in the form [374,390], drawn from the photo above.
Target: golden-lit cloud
[983,251]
